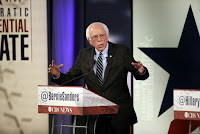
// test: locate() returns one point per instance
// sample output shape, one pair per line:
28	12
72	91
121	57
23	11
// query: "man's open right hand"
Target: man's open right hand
54	69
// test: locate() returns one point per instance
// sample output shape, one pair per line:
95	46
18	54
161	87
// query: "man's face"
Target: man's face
98	37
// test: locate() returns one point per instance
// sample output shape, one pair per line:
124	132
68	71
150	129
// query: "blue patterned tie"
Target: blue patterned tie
99	71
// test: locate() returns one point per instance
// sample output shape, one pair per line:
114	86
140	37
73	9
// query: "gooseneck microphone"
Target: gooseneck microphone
94	62
77	77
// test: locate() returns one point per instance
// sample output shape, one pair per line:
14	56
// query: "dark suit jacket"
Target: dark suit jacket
115	86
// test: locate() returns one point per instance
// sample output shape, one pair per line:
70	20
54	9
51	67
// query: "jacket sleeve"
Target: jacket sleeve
128	58
72	75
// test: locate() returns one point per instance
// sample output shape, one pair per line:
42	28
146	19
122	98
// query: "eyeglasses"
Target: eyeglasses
101	36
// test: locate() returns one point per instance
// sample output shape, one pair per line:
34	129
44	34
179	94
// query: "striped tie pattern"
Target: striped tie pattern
99	71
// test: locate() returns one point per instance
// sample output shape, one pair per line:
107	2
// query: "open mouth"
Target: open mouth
100	45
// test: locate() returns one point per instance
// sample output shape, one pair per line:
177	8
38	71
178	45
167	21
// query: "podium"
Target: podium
187	105
73	100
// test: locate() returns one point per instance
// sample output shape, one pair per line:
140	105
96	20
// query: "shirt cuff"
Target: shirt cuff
143	72
54	77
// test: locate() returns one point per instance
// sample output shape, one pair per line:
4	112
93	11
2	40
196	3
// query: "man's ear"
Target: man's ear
89	40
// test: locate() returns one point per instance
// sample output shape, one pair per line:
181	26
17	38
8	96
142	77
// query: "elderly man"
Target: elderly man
106	66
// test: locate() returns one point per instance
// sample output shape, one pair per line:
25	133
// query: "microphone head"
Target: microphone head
94	62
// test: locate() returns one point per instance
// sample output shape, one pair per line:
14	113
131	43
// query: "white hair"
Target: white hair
99	23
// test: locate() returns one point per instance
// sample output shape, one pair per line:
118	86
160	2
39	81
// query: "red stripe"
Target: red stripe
78	110
187	115
188	89
182	126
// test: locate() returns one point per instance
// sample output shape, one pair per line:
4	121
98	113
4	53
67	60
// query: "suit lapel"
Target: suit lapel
109	62
91	66
91	59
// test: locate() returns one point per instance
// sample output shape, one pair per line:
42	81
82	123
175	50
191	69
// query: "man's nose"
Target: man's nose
99	38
